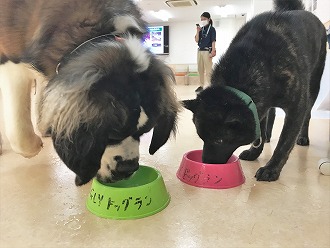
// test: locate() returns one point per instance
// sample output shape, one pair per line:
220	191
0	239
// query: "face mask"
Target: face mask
205	22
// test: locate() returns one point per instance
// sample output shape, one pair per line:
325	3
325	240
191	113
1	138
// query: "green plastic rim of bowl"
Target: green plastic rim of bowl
142	195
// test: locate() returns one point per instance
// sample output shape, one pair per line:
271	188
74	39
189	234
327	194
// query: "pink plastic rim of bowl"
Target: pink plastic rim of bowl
194	172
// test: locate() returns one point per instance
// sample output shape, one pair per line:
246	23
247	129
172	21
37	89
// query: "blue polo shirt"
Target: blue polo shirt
206	36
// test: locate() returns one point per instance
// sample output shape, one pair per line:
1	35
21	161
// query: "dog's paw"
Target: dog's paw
267	174
303	141
249	155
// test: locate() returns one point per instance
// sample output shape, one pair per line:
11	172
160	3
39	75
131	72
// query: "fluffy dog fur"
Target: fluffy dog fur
108	91
277	59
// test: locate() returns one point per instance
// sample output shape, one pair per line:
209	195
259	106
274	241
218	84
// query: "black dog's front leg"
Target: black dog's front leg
270	123
288	137
258	145
303	139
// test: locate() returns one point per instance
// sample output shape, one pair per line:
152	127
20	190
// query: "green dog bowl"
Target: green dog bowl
142	195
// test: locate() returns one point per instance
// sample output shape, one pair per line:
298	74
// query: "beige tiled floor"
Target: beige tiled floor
41	207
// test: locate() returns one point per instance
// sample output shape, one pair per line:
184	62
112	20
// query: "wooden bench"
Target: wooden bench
185	74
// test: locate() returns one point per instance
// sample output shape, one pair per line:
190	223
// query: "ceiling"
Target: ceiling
192	13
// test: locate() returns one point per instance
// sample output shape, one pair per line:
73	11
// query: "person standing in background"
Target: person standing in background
205	38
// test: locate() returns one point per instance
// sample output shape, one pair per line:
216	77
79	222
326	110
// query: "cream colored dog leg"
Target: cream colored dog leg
41	84
15	84
0	145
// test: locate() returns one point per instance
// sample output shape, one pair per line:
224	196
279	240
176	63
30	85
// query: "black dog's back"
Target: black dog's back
270	52
277	59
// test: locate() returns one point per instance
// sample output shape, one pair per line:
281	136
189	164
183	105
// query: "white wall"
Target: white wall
182	44
183	48
322	10
259	6
225	33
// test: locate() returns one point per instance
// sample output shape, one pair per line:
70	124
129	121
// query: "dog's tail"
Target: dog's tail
283	5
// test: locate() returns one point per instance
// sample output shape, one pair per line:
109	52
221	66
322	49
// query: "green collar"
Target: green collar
248	101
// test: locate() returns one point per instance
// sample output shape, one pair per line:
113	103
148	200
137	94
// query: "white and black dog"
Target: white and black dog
103	93
276	60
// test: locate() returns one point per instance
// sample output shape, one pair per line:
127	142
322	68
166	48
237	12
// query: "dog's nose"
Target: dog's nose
124	168
216	154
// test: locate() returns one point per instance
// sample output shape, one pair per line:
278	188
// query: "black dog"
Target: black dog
277	59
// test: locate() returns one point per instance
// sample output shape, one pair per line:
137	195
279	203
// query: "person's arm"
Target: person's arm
198	28
213	51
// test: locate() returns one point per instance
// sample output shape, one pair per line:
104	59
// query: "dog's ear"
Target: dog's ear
162	130
81	152
163	80
190	104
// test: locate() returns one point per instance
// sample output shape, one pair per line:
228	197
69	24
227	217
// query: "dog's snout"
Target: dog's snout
214	153
127	166
124	168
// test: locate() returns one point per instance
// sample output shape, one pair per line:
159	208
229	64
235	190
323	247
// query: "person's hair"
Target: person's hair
208	16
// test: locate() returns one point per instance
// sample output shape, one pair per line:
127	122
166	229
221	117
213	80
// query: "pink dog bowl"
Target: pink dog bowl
194	172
